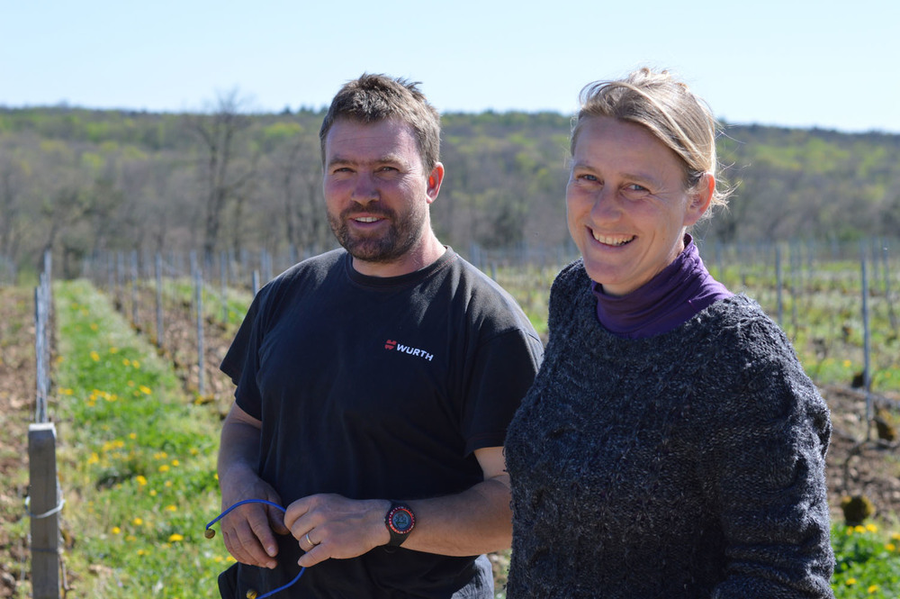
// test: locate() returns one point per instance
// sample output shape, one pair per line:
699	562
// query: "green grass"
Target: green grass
137	461
867	562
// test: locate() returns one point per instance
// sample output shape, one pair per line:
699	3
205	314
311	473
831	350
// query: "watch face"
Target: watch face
402	520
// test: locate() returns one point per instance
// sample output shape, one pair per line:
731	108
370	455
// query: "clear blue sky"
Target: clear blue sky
825	63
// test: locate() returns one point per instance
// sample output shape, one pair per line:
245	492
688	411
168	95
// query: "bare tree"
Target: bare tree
219	133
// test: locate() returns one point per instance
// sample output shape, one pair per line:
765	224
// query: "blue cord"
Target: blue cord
275	505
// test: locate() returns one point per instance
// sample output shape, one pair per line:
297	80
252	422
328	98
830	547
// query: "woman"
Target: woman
671	446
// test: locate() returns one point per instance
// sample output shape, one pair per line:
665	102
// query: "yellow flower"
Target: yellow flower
94	326
135	364
95	356
141	552
847	365
94	458
141	479
890	547
872	588
131	538
860	528
176	463
871	528
164	468
114	350
145	390
126	362
137	521
152	492
175	538
132	436
850	582
116	530
171	508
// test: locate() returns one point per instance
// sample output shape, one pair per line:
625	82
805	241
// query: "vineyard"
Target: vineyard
137	399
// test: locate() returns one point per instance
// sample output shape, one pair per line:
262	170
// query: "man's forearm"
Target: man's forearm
473	522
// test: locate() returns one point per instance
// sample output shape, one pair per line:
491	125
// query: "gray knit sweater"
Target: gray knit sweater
685	465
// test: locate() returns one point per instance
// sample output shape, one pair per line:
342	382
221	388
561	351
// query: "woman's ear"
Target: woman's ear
699	199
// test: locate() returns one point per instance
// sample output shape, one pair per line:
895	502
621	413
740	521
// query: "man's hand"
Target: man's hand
332	526
249	530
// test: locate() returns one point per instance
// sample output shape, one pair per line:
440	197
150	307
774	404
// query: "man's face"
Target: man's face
377	192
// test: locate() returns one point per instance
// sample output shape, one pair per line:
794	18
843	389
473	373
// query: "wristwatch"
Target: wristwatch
399	521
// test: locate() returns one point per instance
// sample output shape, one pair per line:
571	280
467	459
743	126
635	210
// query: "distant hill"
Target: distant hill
83	180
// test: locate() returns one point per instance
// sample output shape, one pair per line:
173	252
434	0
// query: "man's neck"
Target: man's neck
422	255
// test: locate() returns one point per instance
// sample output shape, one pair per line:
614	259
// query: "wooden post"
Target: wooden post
44	510
198	285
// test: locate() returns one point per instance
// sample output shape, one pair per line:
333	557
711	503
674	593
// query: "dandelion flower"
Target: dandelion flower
94	326
95	356
890	547
850	582
116	530
145	390
114	350
176	463
141	479
872	588
171	508
164	468
137	521
871	528
126	362
174	538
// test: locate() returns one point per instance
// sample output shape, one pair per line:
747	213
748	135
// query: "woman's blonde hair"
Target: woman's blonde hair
669	110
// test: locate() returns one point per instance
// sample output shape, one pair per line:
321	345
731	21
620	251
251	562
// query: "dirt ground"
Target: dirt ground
855	465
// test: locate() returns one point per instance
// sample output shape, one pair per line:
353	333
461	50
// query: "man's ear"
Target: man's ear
435	178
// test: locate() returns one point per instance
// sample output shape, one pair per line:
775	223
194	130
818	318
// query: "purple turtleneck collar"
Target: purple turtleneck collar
671	298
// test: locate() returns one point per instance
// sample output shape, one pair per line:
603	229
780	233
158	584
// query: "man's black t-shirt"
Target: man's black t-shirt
380	388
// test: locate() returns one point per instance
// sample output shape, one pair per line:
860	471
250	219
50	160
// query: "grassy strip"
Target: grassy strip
868	562
137	461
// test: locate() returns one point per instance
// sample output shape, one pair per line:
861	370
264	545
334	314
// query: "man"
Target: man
374	385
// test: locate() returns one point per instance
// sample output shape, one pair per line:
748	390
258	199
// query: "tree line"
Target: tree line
78	182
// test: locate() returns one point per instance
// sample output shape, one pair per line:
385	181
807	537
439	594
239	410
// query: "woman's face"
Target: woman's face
626	203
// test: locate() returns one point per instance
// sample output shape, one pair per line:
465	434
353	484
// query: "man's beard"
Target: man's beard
402	234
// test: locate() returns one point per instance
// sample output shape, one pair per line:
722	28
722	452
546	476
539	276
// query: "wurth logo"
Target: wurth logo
391	344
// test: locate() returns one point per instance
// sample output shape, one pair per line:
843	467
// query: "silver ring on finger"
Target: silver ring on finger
308	540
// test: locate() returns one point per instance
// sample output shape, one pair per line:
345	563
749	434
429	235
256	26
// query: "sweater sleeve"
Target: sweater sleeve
764	467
